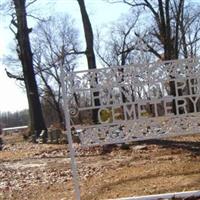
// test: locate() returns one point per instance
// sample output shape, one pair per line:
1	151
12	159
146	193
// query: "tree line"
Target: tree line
149	31
19	118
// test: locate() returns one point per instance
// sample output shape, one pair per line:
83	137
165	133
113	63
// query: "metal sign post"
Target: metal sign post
69	136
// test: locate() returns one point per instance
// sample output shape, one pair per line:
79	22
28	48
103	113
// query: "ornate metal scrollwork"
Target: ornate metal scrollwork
136	102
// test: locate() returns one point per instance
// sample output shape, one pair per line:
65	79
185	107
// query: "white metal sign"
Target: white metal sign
135	102
129	103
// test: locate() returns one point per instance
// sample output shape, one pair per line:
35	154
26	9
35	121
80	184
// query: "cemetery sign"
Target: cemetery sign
135	102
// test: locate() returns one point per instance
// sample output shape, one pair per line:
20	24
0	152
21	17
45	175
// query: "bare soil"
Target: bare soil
42	171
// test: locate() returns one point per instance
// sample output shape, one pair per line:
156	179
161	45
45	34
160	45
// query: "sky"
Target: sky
13	98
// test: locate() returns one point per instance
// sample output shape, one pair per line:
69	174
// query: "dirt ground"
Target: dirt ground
42	171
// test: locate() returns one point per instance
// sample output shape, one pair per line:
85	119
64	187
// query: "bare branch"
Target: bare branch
103	59
17	77
151	49
30	3
10	27
127	2
151	8
14	23
37	18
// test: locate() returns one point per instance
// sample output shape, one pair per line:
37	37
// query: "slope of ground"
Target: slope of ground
41	171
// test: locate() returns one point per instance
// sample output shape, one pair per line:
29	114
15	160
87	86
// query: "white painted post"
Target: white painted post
69	135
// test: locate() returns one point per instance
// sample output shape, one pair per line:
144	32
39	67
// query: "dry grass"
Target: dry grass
171	165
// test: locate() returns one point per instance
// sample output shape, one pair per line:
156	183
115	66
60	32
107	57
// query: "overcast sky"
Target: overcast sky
12	97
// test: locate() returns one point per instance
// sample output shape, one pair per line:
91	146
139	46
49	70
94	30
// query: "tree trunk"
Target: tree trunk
89	50
37	123
170	42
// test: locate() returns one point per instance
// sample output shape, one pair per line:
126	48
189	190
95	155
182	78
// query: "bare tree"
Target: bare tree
169	36
122	46
175	24
55	43
190	31
19	22
166	15
89	48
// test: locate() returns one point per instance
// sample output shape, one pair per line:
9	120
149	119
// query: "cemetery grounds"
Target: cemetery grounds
42	171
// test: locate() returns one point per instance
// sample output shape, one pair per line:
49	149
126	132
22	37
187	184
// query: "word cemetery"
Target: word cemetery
135	102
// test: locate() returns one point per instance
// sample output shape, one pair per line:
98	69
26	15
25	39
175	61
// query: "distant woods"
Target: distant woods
19	118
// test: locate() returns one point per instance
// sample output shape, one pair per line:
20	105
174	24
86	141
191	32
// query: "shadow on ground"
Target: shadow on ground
191	146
